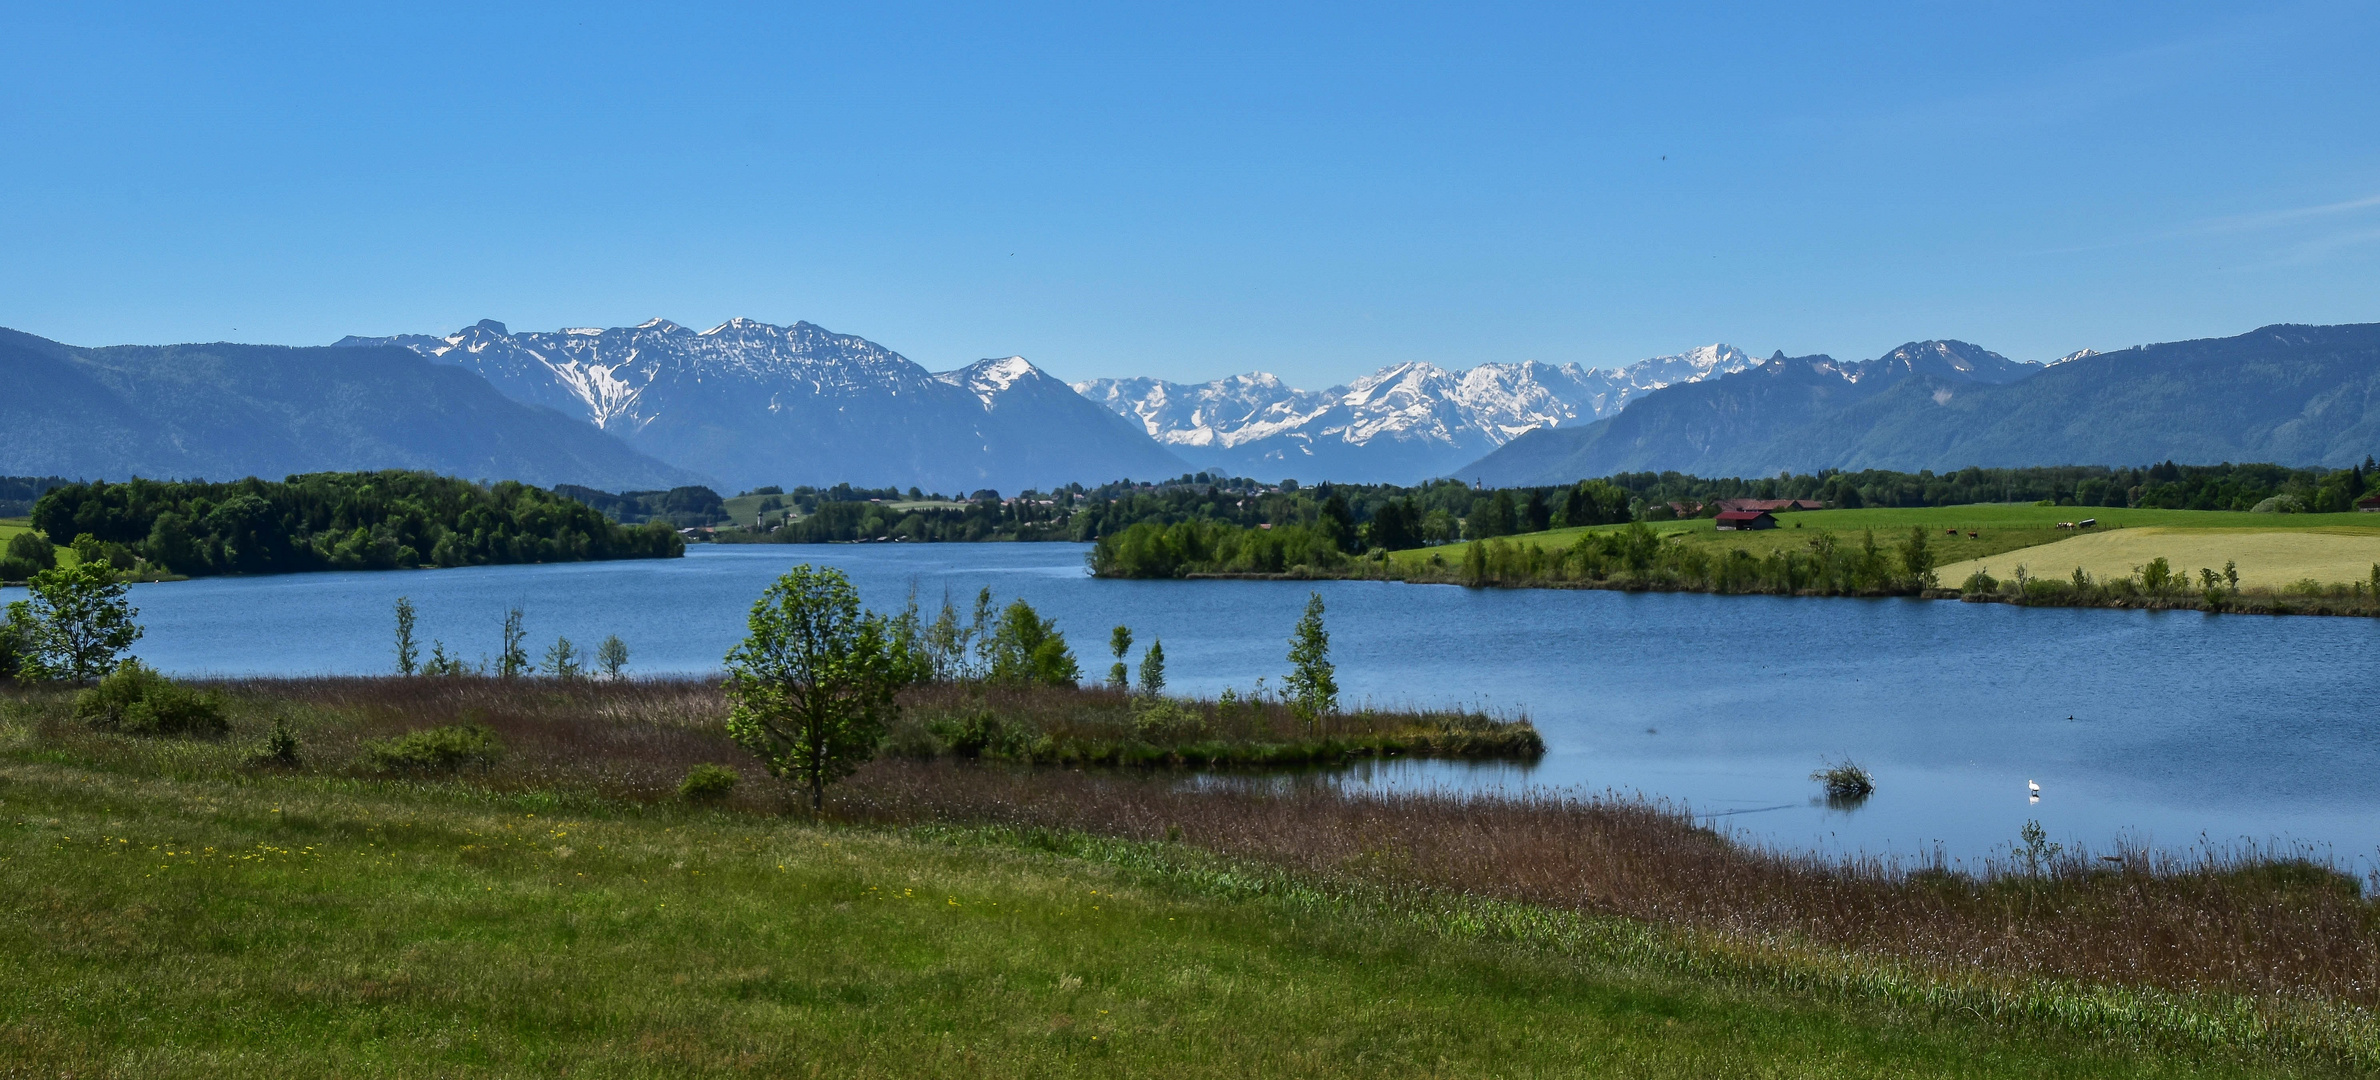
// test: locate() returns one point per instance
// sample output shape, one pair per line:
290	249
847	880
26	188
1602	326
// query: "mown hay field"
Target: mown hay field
2267	557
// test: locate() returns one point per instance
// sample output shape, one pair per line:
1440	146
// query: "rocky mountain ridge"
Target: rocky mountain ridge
755	403
1403	423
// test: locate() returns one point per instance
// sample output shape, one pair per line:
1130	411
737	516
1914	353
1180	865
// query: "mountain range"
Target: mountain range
226	411
2296	395
750	403
746	403
1401	424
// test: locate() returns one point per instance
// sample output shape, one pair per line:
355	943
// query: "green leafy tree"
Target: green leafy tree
78	623
1313	682
1152	668
513	662
562	660
1119	642
27	554
1337	522
1917	557
1026	648
408	650
814	680
612	656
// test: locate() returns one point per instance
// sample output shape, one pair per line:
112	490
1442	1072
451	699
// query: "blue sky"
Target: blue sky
1189	191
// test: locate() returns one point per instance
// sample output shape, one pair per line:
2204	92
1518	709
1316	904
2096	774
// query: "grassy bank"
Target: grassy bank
177	912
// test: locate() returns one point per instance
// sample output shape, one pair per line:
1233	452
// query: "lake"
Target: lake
2164	728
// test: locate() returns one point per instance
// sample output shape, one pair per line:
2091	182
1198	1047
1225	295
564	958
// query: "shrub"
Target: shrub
969	734
438	749
280	749
708	783
136	700
1846	780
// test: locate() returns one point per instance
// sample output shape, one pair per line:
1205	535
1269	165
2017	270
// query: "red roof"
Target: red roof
1741	515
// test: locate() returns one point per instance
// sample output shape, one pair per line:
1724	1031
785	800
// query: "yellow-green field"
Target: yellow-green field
2271	549
9	527
2267	558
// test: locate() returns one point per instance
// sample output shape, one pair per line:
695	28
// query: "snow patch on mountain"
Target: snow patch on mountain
1436	418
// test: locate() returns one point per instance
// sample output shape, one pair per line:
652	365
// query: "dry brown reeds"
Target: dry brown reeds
2214	921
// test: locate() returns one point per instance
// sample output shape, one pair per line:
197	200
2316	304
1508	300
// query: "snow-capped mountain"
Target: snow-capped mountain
752	403
1400	424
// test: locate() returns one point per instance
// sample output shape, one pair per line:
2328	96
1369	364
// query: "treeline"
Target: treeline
18	492
683	507
1358	518
336	521
1029	517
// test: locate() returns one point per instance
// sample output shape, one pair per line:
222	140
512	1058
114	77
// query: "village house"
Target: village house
1746	519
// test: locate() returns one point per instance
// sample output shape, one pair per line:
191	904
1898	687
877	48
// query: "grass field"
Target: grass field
172	913
165	928
11	526
2002	528
2267	558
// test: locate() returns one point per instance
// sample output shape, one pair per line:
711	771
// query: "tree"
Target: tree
1313	684
813	681
1152	668
1535	514
78	623
1337	522
1026	648
514	661
1119	642
408	651
1396	525
27	554
1491	516
1917	557
562	660
612	656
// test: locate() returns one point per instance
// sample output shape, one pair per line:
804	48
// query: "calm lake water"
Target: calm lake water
2166	728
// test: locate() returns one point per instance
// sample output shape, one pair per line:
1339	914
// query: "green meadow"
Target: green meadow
174	913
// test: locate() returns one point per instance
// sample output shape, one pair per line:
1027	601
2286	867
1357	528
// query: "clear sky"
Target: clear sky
1194	190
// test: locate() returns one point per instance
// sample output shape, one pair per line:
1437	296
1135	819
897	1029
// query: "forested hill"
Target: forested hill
267	410
2296	395
339	521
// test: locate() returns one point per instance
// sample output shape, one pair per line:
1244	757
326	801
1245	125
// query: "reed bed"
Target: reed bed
2238	921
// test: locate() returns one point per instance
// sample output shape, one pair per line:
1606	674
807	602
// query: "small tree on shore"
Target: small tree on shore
612	656
1917	557
1119	642
1313	682
408	651
1026	648
562	660
513	662
77	626
813	681
1152	668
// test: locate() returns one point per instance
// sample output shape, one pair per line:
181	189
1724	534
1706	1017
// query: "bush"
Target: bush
136	700
280	749
1846	780
708	783
438	749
